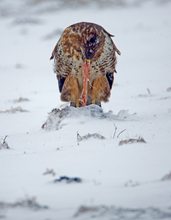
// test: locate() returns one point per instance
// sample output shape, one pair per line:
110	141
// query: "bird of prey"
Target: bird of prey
85	63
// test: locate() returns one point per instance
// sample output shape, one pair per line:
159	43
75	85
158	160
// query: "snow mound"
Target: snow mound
57	115
26	203
105	212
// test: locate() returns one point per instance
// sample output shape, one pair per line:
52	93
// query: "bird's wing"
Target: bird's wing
110	79
60	65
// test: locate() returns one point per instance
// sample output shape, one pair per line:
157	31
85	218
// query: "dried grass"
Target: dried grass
132	141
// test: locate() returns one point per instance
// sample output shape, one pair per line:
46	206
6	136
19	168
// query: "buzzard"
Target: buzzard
84	63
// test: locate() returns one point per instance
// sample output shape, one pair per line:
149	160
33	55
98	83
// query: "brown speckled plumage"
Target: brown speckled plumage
80	42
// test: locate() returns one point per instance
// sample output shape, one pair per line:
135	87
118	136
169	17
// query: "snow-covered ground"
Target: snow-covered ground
118	179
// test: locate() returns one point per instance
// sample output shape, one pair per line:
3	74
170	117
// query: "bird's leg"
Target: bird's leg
85	75
70	91
100	90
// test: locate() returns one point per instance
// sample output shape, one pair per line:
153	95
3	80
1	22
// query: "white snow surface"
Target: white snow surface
129	181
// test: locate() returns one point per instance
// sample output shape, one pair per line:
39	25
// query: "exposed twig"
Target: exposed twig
114	133
4	140
132	141
148	91
67	179
30	203
21	99
49	172
88	136
4	144
14	110
121	133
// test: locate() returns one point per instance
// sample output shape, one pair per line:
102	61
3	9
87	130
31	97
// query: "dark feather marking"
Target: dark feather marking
52	56
110	79
61	81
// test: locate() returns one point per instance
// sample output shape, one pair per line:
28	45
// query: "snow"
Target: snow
118	181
